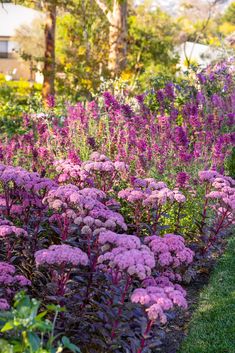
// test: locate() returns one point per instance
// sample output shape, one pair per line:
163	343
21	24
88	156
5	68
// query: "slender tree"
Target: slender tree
49	9
117	18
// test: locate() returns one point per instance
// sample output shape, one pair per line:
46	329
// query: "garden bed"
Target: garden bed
107	210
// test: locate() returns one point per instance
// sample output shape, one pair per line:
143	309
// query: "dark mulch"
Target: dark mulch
176	329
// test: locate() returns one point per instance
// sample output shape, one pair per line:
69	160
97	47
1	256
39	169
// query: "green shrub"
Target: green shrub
25	330
16	98
230	164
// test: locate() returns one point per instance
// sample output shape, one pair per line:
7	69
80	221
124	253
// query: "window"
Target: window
3	49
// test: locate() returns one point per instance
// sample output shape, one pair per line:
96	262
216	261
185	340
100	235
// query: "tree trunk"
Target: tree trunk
49	63
118	37
117	19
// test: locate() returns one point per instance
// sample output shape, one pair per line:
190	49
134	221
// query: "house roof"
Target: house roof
12	16
202	54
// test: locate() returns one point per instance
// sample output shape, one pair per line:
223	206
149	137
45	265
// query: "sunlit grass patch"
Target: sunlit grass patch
212	329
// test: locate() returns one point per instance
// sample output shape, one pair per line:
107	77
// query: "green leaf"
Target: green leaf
43	326
53	307
8	326
34	340
17	346
67	344
41	315
5	347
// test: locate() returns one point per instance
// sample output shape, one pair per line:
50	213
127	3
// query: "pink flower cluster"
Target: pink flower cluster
170	250
23	179
70	172
163	196
88	173
9	234
22	190
86	208
151	193
62	196
10	283
122	240
59	255
61	259
7	228
125	254
207	175
103	171
132	195
100	163
159	297
222	192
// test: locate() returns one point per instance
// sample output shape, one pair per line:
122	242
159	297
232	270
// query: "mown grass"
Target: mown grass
212	329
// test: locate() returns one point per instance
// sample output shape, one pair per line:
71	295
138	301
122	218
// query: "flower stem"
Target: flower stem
124	293
143	339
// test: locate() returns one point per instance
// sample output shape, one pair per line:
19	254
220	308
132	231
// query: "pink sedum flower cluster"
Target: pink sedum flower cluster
9	234
163	196
23	190
170	250
85	208
123	240
222	193
207	175
104	172
126	253
98	171
159	297
10	282
61	259
61	255
70	172
8	229
150	193
100	163
23	179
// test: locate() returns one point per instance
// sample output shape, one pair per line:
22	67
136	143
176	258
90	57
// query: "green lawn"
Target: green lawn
212	329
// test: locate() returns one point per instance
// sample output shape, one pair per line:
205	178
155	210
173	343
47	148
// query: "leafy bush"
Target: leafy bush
16	99
26	330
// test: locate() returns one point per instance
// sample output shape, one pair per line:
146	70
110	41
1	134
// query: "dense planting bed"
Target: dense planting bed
110	211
